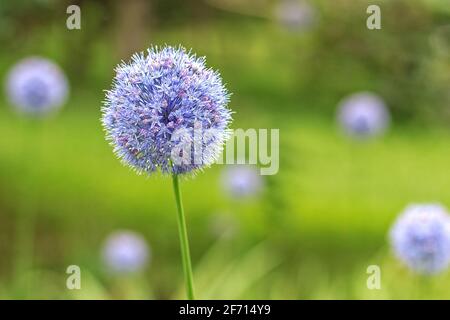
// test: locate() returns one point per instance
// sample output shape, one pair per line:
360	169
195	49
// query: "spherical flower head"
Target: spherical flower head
421	238
296	15
167	111
125	252
37	86
363	115
242	181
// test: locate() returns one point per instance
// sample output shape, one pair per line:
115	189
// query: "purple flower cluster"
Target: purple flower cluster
37	86
421	238
159	108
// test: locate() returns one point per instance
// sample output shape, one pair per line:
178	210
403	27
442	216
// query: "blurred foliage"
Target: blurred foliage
338	57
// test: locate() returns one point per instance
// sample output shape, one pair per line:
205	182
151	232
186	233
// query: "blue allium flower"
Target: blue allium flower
421	238
363	115
242	181
125	252
166	110
37	86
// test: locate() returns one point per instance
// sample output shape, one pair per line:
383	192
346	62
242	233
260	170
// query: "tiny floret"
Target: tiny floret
363	115
421	238
166	111
37	86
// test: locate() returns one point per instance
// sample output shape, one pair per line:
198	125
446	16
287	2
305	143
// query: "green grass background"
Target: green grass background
337	199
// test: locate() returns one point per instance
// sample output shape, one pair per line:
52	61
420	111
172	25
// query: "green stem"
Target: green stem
185	255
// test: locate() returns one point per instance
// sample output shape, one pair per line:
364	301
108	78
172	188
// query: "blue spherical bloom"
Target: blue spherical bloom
37	86
125	252
242	181
363	115
421	238
166	110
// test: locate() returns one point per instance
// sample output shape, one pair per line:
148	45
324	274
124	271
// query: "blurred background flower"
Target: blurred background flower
125	252
242	181
421	238
295	15
363	115
37	86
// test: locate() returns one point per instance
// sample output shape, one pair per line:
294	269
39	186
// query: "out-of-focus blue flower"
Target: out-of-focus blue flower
363	114
166	110
242	181
125	252
421	238
296	15
37	86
